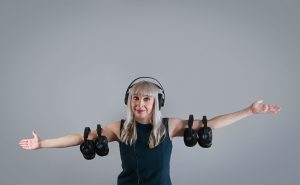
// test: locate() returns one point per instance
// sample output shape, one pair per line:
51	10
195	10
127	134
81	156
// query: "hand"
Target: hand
31	144
260	108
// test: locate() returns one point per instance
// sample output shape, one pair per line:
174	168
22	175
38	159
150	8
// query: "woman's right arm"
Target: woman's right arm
111	131
61	142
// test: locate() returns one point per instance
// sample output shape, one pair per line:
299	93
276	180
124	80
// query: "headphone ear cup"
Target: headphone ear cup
190	137
101	146
205	137
126	98
161	100
87	149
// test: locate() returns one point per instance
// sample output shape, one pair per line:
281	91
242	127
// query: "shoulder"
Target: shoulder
112	130
113	125
176	126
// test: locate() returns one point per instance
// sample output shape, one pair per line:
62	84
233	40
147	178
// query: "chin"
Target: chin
141	117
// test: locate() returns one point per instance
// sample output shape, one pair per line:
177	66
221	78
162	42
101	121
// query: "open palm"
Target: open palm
31	144
260	108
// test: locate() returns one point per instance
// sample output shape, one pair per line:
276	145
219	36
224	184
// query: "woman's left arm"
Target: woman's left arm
256	108
177	126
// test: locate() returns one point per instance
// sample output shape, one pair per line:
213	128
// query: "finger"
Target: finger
277	107
23	141
274	109
34	134
260	101
25	146
265	108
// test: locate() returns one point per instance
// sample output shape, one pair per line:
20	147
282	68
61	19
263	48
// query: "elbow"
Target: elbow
77	140
212	124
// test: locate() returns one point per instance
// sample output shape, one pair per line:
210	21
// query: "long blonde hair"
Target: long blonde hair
129	132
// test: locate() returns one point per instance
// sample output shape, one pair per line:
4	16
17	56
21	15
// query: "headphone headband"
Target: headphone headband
99	130
204	121
87	130
161	95
190	122
132	83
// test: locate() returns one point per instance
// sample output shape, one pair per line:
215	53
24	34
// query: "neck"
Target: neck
143	121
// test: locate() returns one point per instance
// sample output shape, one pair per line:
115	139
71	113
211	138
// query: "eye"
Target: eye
146	99
135	97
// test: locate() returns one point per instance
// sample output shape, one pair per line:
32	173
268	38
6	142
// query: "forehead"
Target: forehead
141	95
144	88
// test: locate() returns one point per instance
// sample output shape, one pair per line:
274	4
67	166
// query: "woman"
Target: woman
144	137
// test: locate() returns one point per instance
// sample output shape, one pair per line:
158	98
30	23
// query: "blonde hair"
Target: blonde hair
129	132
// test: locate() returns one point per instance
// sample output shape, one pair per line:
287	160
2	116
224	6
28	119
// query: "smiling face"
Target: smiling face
142	107
143	98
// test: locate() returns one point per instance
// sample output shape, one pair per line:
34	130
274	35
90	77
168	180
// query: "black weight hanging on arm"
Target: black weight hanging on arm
190	136
101	144
87	148
205	134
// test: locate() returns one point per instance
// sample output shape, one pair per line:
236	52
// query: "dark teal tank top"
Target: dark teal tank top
142	165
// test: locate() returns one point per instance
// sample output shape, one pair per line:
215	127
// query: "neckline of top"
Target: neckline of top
143	124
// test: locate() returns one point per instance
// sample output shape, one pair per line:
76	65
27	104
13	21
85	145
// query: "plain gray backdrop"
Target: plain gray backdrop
66	64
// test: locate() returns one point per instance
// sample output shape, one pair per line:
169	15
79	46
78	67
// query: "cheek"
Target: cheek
151	105
132	106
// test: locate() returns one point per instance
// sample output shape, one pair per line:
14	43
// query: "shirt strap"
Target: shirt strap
122	124
166	124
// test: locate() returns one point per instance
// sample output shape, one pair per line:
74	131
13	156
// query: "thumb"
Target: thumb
34	134
259	101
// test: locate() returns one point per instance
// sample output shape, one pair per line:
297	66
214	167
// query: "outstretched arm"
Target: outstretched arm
177	126
111	131
61	142
256	108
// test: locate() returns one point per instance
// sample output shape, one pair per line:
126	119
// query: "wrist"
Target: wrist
41	144
249	111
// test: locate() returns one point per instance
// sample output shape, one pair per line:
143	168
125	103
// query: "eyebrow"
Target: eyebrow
141	95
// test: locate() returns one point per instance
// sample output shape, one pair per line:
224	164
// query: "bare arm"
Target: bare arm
256	108
61	142
177	126
111	131
228	119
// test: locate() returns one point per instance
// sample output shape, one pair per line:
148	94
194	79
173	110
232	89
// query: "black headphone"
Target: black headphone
87	148
161	96
205	135
101	144
190	136
90	147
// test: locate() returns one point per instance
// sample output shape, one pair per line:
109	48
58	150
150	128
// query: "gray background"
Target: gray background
66	65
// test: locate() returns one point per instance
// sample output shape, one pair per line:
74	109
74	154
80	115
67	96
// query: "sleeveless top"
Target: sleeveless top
142	165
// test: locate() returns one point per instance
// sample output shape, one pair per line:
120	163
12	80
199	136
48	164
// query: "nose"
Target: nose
141	103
